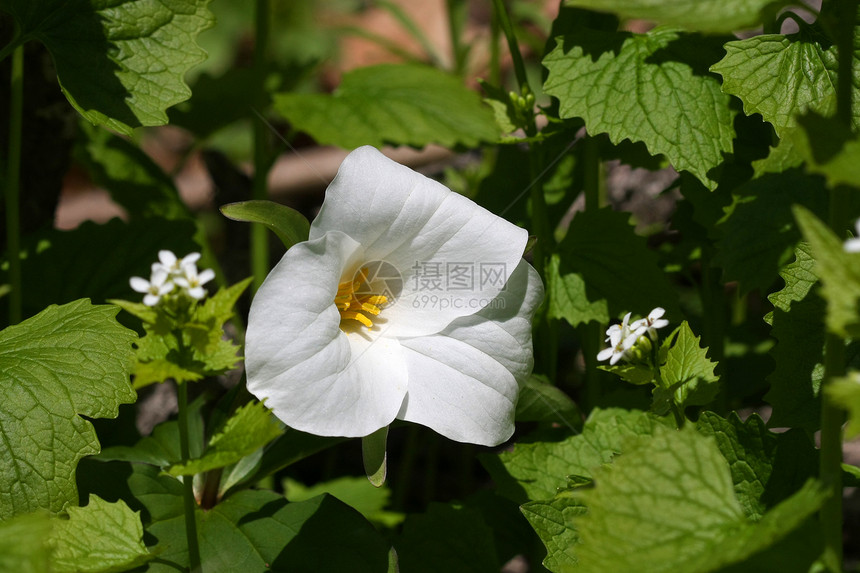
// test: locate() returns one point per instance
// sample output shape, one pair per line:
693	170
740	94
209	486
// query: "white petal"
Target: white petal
139	284
656	313
206	276
159	276
464	382
315	377
605	354
852	245
167	258
151	299
189	259
616	356
414	223
165	288
197	292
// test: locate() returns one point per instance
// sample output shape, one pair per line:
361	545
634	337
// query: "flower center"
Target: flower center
355	303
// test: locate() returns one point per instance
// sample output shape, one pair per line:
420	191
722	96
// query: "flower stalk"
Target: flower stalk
189	503
259	234
13	191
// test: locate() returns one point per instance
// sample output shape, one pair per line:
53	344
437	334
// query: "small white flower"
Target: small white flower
621	338
173	265
650	324
193	282
155	287
853	245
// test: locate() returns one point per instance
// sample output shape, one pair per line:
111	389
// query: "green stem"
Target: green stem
189	503
13	191
9	48
259	233
457	15
590	334
841	18
513	46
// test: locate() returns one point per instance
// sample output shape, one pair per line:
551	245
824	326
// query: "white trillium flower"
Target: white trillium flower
155	287
621	338
650	324
853	245
193	282
339	348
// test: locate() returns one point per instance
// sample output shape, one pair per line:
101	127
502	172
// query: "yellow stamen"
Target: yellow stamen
356	306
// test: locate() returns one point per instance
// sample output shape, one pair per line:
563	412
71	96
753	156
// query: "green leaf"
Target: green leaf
540	401
101	537
781	77
68	361
766	468
839	272
845	392
249	429
567	298
617	82
700	15
375	456
799	277
402	104
552	520
687	376
24	543
446	538
356	492
540	469
120	63
668	504
830	148
615	264
289	225
758	233
256	530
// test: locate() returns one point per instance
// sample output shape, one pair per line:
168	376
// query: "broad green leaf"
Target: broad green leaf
758	233
668	504
839	272
568	300
782	157
101	537
541	468
289	225
68	361
700	15
645	87
24	543
291	447
552	521
403	104
830	148
356	492
503	108
132	178
687	376
120	63
540	401
249	429
62	266
446	538
781	77
766	468
256	530
615	264
845	392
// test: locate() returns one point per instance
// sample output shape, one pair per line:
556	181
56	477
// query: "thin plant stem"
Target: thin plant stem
841	19
13	191
189	503
513	45
458	11
259	233
590	333
10	48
